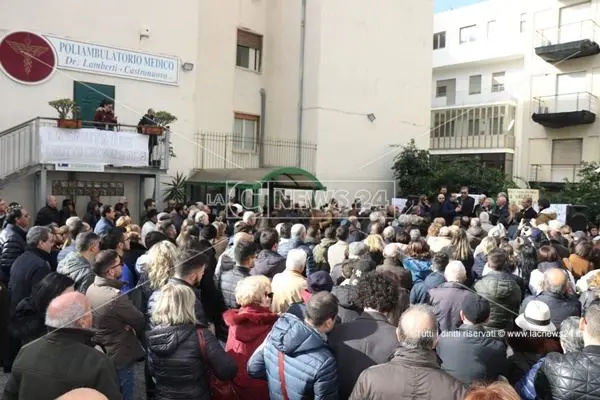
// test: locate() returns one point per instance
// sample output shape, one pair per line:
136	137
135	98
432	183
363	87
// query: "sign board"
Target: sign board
92	146
27	58
103	60
561	211
79	167
516	196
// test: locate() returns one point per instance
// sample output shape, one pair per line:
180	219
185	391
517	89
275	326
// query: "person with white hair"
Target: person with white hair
442	240
250	219
484	219
447	298
201	218
289	285
44	369
297	237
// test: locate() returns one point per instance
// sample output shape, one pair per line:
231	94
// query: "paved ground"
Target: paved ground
140	390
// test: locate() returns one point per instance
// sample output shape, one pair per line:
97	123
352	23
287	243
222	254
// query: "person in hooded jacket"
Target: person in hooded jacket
268	262
248	328
181	351
295	359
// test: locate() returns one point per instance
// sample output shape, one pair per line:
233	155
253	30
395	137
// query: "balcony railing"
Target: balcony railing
561	103
472	142
557	173
20	146
567	33
226	150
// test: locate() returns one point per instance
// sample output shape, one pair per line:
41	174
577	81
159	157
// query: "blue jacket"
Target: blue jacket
103	226
419	269
526	386
419	293
309	364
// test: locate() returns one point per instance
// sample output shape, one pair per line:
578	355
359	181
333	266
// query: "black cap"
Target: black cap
475	308
319	281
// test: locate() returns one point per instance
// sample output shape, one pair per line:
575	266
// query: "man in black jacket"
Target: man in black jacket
268	262
470	353
466	204
64	359
574	375
244	253
12	239
31	266
371	338
556	296
48	214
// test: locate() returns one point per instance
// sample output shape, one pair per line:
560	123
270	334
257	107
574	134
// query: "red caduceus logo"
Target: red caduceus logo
26	57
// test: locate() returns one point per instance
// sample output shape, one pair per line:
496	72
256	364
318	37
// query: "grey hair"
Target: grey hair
297	230
85	240
554	289
415	235
455	272
199	217
38	234
389	234
592	317
417	336
570	335
68	317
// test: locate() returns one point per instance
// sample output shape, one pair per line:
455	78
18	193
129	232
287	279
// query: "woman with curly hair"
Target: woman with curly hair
418	260
159	268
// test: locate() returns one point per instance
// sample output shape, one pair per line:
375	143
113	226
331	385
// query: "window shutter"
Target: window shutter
567	151
248	39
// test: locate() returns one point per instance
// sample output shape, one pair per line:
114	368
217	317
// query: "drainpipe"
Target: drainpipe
261	137
301	92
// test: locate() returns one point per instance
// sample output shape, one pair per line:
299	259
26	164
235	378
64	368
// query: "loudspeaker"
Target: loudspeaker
577	217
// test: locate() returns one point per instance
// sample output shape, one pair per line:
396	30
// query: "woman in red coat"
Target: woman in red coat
248	328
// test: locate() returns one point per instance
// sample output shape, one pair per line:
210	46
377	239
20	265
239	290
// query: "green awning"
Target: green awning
256	178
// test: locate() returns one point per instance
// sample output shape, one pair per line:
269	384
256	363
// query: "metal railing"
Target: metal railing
20	145
472	142
581	101
566	33
227	150
554	172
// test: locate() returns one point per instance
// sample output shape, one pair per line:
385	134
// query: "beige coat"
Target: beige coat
287	287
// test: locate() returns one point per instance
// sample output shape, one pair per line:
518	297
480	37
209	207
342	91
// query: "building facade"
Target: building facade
323	86
516	83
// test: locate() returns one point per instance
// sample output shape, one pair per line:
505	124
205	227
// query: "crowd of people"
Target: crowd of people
450	300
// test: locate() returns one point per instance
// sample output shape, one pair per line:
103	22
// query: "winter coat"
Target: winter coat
561	307
478	266
112	313
419	293
536	278
103	226
287	289
12	245
446	301
320	254
404	276
248	328
526	386
411	374
369	340
131	256
198	309
359	264
28	323
27	270
500	289
309	367
76	267
571	376
65	251
227	281
348	307
66	213
268	263
176	363
59	362
468	354
336	254
418	268
47	215
284	247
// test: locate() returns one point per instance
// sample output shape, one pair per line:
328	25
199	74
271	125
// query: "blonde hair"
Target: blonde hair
134	228
440	221
251	290
374	243
175	306
162	262
123	222
488	244
434	230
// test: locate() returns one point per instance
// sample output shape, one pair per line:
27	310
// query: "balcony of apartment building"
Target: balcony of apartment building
562	164
568	41
564	110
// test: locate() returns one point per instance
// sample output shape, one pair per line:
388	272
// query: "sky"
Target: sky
443	5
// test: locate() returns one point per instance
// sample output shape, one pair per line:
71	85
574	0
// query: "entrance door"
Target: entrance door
88	97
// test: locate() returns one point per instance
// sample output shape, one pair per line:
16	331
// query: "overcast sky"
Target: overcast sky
443	5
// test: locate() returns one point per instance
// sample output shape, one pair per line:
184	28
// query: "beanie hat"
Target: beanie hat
319	281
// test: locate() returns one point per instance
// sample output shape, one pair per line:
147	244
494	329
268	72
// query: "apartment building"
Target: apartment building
517	83
318	89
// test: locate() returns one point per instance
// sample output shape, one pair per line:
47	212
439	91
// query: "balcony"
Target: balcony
563	110
225	150
554	173
569	41
40	142
486	128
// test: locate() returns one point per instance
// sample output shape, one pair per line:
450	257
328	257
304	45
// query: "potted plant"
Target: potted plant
162	120
68	113
176	188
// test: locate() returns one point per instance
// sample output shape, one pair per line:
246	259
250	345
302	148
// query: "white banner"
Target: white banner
93	146
97	59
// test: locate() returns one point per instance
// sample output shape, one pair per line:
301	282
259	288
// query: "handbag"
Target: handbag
220	390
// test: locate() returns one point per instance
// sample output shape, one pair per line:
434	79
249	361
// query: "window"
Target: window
491	30
249	50
475	84
441	91
468	34
439	40
523	25
443	126
245	131
497	125
498	82
473	127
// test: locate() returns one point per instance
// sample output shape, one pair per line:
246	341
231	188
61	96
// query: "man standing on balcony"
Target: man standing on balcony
148	120
105	117
48	214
